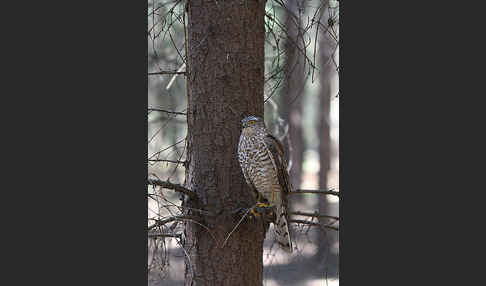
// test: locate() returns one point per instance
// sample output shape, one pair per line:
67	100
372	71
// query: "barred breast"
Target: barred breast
258	168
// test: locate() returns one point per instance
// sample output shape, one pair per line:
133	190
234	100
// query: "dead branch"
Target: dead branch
171	186
310	223
161	222
166	72
159	234
323	192
314	215
167	111
166	148
168	161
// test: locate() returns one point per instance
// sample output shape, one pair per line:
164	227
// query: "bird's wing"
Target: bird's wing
277	154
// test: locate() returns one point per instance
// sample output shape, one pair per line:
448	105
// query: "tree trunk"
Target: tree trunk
324	128
292	91
225	81
326	45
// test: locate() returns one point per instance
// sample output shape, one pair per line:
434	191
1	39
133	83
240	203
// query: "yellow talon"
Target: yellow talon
254	213
262	205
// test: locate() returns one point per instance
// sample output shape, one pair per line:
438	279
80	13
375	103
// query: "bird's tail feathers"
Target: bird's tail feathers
282	232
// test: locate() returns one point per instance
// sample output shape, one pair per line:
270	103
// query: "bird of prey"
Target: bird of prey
264	167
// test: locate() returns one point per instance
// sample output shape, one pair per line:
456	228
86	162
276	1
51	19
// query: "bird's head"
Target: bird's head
252	121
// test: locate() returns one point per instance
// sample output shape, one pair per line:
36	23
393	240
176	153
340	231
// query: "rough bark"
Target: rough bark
225	82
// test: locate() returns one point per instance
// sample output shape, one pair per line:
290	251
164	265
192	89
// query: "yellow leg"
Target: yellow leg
254	213
262	205
259	205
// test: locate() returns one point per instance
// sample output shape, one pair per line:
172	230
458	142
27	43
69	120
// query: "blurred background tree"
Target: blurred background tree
300	96
292	89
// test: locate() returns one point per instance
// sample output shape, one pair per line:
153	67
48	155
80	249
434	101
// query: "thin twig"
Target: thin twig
233	230
174	76
160	222
171	186
167	111
314	215
156	235
300	191
166	72
168	161
166	148
313	224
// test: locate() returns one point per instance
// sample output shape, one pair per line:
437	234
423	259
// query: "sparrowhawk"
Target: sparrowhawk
264	167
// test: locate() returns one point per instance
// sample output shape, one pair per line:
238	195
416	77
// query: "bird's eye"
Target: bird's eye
251	122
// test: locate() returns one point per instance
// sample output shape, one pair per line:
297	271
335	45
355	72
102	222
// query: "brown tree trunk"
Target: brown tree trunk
292	91
225	78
